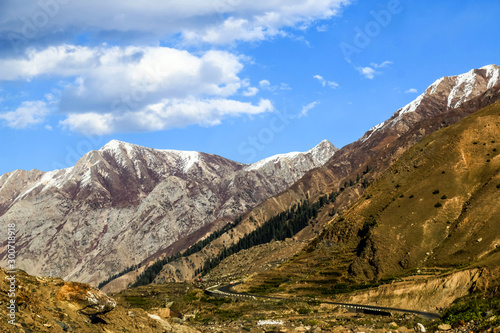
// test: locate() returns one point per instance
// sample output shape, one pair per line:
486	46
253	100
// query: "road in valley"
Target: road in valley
226	290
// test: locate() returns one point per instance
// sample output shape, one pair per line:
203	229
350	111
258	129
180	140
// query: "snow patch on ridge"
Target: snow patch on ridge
187	158
56	178
371	131
275	159
493	73
433	87
465	83
319	154
410	107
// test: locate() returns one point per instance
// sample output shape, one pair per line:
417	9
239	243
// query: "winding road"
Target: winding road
226	290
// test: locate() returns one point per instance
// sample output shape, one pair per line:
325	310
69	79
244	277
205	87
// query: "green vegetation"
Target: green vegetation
192	296
226	315
218	301
365	230
476	307
152	271
141	302
117	275
342	288
269	286
279	227
304	311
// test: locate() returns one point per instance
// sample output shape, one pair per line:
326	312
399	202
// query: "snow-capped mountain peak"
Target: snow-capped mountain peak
134	195
452	91
316	156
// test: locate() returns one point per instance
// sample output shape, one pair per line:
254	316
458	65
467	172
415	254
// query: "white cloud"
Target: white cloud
411	91
285	86
113	85
320	79
251	91
322	28
367	72
307	108
381	65
28	114
264	84
214	22
324	83
115	70
370	72
164	115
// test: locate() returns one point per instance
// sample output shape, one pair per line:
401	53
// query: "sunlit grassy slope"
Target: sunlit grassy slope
437	206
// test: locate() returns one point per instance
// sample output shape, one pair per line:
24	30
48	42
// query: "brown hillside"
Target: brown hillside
435	210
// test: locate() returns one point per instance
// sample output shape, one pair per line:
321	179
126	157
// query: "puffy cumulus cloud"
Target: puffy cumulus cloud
27	114
214	22
164	115
113	89
109	71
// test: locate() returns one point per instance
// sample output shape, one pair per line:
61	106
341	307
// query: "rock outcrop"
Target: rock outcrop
86	299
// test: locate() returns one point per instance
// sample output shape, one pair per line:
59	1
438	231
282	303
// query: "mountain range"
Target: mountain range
150	203
406	216
375	151
138	199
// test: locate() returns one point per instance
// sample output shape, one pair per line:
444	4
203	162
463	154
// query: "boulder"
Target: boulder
85	298
419	328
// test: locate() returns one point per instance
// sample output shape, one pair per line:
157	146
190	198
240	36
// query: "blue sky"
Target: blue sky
244	80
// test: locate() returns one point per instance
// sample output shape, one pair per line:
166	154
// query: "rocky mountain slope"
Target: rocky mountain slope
47	304
432	212
138	199
445	102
